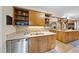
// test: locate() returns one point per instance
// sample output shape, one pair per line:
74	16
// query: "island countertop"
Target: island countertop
64	30
66	35
20	35
68	30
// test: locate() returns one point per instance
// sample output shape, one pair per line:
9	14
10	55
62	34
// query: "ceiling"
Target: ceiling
62	11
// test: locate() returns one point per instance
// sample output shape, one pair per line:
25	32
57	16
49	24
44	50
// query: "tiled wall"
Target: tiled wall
30	28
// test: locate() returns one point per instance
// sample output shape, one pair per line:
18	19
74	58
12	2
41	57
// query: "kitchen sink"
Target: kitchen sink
36	33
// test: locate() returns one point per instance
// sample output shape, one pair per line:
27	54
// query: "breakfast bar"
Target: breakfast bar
66	35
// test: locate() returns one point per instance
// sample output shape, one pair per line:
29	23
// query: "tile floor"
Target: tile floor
72	47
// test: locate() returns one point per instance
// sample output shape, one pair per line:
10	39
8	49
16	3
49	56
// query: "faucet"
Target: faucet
26	32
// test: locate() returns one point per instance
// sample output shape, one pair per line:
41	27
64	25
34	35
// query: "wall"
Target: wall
0	29
7	29
77	25
8	10
31	28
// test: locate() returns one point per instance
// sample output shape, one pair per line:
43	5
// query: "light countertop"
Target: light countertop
20	35
66	30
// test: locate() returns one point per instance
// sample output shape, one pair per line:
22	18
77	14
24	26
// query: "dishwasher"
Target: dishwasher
17	45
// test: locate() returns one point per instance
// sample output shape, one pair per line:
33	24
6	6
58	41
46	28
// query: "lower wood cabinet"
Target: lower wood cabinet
33	45
41	44
51	42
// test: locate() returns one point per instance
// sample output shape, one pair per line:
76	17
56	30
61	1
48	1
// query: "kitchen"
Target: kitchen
39	31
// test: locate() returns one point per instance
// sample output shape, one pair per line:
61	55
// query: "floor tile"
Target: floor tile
72	47
75	43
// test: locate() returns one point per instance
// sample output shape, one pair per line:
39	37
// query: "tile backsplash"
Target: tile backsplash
30	28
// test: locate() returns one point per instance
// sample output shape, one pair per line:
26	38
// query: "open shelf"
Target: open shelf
20	15
47	18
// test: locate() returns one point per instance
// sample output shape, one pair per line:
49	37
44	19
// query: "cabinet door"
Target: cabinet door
51	42
33	45
37	18
43	44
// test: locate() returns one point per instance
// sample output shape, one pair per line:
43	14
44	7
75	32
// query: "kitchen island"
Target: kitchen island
37	42
66	35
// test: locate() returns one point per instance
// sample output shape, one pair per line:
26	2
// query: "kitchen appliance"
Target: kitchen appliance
17	46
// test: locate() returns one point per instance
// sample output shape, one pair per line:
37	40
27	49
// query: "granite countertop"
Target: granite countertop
70	30
20	35
66	30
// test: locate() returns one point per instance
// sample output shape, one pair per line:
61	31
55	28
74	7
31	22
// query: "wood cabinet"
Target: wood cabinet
66	35
47	18
51	42
42	44
20	16
36	18
70	36
33	45
30	17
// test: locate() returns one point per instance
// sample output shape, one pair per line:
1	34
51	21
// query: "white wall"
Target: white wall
7	29
0	29
8	10
77	25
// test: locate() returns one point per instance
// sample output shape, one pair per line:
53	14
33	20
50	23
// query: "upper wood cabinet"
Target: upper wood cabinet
47	18
20	16
36	18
